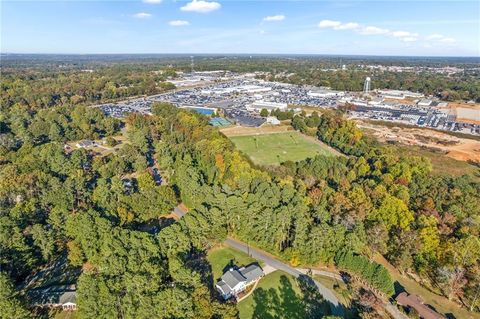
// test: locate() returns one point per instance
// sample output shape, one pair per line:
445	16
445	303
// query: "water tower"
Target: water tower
366	85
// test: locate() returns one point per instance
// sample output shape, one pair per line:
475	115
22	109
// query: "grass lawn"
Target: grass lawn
273	149
221	258
66	315
277	295
339	288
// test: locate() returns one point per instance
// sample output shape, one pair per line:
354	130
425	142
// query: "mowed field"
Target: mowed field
275	148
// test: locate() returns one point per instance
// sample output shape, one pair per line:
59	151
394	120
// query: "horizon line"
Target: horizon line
246	54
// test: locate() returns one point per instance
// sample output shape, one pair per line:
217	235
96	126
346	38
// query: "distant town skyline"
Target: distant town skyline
399	28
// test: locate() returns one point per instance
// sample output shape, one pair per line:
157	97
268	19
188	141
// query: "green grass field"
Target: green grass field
273	149
277	295
221	258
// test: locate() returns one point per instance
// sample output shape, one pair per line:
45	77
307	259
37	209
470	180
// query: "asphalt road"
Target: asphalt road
336	307
177	211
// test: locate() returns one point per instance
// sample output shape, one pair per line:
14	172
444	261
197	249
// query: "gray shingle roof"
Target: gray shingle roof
52	296
251	273
233	278
224	287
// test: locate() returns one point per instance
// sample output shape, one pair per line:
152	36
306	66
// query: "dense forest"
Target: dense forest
105	213
37	81
55	202
318	210
33	88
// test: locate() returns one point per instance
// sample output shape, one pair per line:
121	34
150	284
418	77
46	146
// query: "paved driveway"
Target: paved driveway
337	308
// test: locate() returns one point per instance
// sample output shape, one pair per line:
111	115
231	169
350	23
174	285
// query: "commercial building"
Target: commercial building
424	102
325	93
259	105
398	94
272	120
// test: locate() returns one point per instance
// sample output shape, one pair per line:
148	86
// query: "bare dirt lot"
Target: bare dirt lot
462	149
465	112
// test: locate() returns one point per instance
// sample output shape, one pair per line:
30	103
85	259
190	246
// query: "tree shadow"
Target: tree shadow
286	303
398	289
196	260
230	265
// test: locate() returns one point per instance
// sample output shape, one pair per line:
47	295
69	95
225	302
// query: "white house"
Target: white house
85	143
234	281
63	296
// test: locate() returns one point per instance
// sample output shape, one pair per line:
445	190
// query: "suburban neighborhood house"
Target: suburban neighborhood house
55	296
414	301
236	280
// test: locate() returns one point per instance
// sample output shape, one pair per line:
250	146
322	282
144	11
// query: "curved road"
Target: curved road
336	307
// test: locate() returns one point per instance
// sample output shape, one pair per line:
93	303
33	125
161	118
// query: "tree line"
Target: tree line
310	212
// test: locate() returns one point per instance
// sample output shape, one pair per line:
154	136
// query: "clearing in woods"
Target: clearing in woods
276	148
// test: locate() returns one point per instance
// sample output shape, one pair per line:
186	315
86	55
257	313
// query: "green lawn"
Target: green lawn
273	149
222	258
279	296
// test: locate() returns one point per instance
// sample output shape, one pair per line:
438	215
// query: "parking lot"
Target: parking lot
232	97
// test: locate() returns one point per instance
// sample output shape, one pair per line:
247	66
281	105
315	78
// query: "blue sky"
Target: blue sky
438	28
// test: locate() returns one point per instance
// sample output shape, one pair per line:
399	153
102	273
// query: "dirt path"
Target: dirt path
265	129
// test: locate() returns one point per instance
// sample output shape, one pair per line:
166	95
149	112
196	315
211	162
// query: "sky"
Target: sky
400	28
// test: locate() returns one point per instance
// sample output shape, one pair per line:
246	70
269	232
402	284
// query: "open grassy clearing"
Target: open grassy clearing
221	258
277	295
273	149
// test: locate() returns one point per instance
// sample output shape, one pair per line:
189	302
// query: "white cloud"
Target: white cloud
142	15
347	26
201	6
409	39
404	34
435	36
441	38
152	1
448	40
178	23
278	17
329	24
370	30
